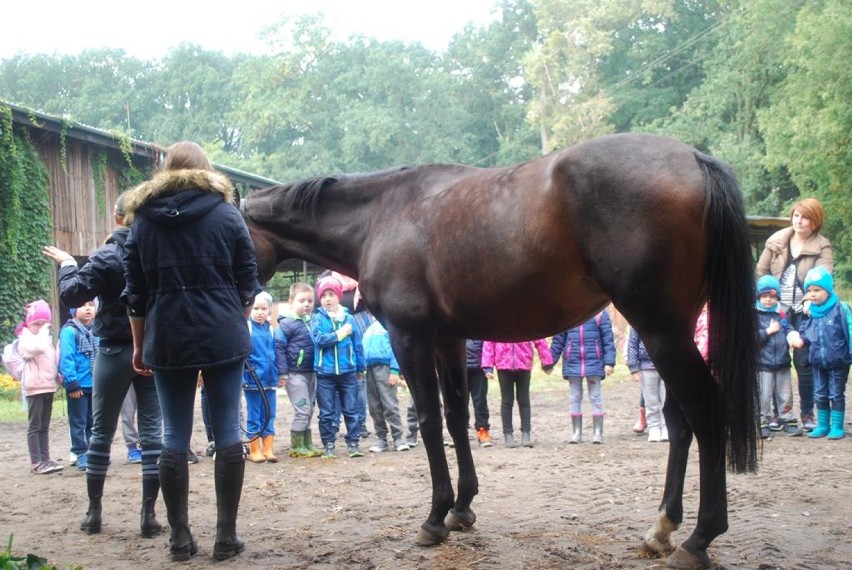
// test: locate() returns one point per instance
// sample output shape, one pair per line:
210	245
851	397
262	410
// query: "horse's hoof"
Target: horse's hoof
655	546
431	536
456	520
686	560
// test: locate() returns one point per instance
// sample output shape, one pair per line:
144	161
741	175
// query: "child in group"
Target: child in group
513	361
653	388
338	363
382	381
827	332
773	367
294	358
260	368
78	348
588	351
478	387
39	382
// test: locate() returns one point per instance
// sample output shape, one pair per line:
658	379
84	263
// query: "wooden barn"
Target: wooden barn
87	169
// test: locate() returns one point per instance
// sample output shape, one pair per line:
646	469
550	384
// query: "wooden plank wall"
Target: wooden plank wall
78	226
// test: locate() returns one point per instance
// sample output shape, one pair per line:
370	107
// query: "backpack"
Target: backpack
13	361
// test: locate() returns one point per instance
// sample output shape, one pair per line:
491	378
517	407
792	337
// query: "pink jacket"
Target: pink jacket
514	355
40	371
702	333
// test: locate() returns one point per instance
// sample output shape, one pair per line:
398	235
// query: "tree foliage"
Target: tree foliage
761	84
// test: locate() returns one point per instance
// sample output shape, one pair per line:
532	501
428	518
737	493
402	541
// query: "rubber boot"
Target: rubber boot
526	439
174	483
228	476
822	428
509	440
150	526
309	446
641	423
577	424
91	524
838	430
297	444
598	434
268	443
255	454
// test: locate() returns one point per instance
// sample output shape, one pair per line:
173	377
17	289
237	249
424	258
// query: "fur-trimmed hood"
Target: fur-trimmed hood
171	183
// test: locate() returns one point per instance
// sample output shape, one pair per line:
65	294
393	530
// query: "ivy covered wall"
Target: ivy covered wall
25	225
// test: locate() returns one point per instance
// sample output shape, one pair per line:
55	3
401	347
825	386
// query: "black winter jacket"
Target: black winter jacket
190	269
102	277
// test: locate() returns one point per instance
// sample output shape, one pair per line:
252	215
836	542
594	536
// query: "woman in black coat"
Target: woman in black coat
191	280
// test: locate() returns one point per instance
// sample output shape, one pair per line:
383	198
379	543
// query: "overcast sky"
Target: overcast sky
148	29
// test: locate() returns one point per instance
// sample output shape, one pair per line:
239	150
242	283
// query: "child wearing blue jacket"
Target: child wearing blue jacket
826	333
588	351
773	367
382	382
338	363
294	357
78	348
261	363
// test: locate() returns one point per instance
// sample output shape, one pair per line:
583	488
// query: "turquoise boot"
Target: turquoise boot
821	430
838	430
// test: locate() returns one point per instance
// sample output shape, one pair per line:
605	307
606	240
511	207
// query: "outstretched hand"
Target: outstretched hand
56	254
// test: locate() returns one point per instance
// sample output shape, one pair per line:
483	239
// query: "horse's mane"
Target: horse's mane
304	195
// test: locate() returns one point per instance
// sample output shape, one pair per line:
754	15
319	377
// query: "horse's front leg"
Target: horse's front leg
416	355
452	373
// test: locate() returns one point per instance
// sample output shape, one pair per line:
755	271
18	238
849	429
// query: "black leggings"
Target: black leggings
512	381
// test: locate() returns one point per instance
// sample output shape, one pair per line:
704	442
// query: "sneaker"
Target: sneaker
354	450
365	433
792	428
42	468
401	446
134	455
654	435
664	434
72	458
483	437
82	462
411	440
808	424
328	451
765	432
191	457
775	425
211	449
381	445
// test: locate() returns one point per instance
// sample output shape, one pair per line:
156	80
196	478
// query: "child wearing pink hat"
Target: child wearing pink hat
39	383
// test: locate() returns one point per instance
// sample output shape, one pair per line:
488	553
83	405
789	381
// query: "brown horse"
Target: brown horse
445	252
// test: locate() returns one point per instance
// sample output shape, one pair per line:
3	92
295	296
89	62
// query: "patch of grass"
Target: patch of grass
14	410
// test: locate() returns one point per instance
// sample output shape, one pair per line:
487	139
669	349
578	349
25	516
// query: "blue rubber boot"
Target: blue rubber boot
822	428
838	430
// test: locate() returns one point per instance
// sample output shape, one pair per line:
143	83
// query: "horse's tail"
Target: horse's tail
733	326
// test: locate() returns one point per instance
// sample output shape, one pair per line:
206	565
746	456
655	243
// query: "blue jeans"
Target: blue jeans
80	421
255	412
177	388
346	387
830	387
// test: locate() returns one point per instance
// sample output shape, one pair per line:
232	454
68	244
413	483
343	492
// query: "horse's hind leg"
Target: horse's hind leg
416	355
658	539
453	377
689	382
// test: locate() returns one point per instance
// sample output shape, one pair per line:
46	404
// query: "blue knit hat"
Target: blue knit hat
768	283
821	277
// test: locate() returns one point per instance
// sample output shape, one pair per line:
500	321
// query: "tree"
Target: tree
808	125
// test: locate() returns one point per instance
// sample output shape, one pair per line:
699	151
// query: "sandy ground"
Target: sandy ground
553	506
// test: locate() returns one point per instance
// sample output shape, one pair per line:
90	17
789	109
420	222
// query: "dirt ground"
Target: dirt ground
553	506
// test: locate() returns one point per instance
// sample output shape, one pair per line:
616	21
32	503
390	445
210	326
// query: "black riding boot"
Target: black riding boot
174	481
150	526
91	524
228	475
